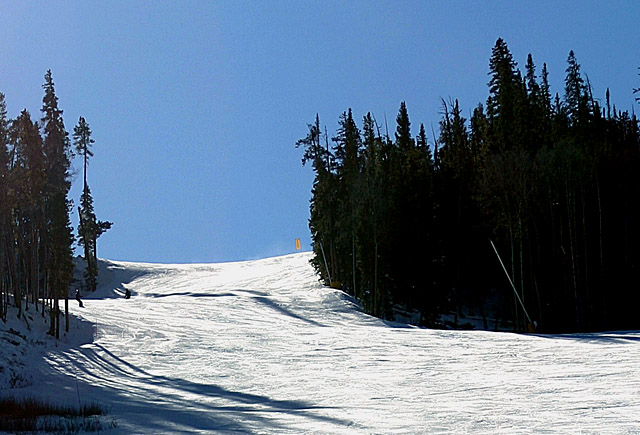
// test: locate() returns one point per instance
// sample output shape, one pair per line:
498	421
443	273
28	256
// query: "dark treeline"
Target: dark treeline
36	237
553	181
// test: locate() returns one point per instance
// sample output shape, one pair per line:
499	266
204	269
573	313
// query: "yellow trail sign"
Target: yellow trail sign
298	246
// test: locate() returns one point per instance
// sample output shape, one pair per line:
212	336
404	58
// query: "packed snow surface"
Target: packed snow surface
262	347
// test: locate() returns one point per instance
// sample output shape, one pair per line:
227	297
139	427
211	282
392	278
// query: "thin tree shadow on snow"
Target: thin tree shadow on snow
190	294
616	337
282	310
212	294
257	296
171	403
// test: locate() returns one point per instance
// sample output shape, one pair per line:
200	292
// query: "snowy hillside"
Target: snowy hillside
261	347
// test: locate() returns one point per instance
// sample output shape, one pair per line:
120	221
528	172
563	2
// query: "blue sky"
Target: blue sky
195	107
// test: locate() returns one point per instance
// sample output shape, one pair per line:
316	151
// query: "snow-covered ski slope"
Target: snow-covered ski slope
261	347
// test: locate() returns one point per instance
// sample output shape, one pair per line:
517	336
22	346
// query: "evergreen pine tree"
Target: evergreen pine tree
553	184
372	220
636	91
403	129
4	205
477	136
83	143
506	93
57	151
545	91
575	91
347	150
28	180
322	220
89	228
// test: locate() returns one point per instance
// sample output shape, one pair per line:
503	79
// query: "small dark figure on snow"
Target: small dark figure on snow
127	294
78	298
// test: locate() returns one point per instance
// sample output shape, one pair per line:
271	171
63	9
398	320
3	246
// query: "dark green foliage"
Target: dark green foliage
575	95
57	151
375	231
635	91
5	220
26	186
36	238
553	183
322	221
89	228
505	105
404	141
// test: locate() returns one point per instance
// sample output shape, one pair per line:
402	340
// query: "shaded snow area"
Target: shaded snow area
24	342
261	347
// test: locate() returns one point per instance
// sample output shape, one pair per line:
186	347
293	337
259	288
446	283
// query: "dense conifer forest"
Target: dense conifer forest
403	221
36	237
